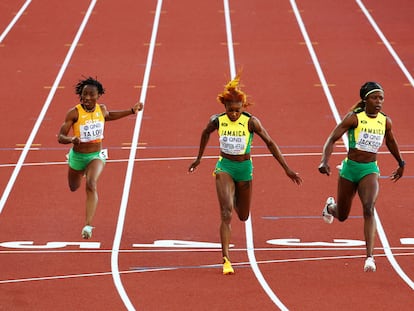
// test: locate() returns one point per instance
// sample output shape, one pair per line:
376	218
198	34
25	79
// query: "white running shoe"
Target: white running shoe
370	265
87	232
328	218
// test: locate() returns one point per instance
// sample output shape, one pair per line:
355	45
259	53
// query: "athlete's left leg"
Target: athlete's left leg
243	197
368	190
92	173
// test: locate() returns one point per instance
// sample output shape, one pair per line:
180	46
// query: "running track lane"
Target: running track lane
39	216
184	79
164	187
199	217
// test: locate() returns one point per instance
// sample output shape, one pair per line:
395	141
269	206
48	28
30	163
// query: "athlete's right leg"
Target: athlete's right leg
74	179
345	193
225	192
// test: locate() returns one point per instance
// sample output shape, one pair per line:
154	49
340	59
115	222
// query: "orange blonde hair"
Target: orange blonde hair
233	93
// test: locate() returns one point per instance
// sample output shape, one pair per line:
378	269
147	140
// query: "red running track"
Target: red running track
301	266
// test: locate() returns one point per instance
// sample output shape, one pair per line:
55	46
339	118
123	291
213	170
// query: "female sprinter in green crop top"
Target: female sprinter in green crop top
87	120
367	126
234	169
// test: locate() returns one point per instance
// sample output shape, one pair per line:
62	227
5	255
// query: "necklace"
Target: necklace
86	109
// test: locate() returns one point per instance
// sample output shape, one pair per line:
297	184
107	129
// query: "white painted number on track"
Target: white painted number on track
49	245
297	242
191	244
181	243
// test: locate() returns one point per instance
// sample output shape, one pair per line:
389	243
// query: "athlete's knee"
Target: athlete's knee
73	188
341	210
243	216
91	185
226	214
368	210
74	179
342	218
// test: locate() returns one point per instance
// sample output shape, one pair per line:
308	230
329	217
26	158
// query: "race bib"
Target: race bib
91	131
104	154
233	144
369	142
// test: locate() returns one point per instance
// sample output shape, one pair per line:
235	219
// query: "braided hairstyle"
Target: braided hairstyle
89	81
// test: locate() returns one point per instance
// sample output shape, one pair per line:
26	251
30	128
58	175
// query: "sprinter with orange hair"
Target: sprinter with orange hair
234	169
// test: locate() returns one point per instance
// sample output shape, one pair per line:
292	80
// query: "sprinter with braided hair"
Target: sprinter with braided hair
87	120
234	169
89	81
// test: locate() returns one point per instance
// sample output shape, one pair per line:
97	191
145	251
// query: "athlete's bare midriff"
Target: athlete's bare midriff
361	156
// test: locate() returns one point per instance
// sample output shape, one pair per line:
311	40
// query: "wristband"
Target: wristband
132	110
401	163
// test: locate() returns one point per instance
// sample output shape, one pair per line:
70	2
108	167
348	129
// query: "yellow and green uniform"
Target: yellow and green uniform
90	129
235	139
79	161
368	136
90	125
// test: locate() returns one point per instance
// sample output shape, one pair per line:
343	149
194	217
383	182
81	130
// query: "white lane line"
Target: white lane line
332	104
14	21
189	158
386	42
390	255
198	250
162	269
122	211
318	68
380	229
46	105
255	266
232	62
248	224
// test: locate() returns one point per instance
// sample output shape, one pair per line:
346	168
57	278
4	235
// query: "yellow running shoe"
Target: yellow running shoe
227	268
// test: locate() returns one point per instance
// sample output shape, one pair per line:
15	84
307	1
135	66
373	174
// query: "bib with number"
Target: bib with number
369	134
90	125
234	137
